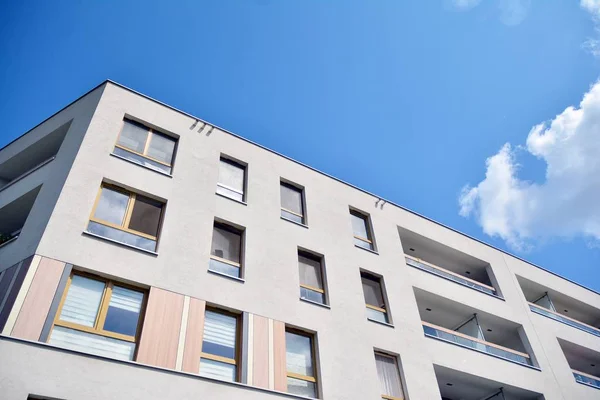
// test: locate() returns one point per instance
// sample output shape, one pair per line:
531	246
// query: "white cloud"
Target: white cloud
566	204
513	12
592	6
592	44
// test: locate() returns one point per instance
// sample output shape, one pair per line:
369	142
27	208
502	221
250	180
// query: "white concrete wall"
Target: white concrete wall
346	339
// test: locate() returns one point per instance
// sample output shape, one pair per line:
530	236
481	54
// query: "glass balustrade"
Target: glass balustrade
547	313
444	274
475	345
587	380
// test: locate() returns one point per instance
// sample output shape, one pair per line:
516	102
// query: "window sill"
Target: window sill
9	241
369	250
316	303
235	278
294	222
121	243
381	323
231	198
142	165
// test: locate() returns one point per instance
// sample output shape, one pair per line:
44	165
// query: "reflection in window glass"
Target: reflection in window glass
145	217
226	244
123	311
112	206
298	354
231	179
133	136
161	148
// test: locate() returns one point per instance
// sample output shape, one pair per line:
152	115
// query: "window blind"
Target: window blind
291	198
359	225
372	292
231	175
83	301
310	272
226	244
90	343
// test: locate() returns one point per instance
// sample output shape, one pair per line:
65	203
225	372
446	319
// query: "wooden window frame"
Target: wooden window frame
238	342
128	211
288	184
306	378
243	167
151	132
369	276
395	358
367	219
98	328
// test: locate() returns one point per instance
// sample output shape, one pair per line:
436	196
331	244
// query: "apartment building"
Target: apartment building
148	254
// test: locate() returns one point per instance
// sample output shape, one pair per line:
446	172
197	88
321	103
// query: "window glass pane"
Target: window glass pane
121	236
83	301
123	311
133	136
372	292
312	295
231	175
301	388
298	354
145	161
389	376
359	226
292	217
217	370
111	206
90	343
291	198
219	334
310	271
226	244
161	148
363	244
224	268
145	216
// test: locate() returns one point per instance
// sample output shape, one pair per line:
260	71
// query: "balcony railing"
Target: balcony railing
564	319
587	379
27	173
452	276
470	342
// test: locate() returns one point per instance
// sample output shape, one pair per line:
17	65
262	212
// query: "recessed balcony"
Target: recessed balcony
32	158
584	363
14	215
473	329
447	263
559	307
456	385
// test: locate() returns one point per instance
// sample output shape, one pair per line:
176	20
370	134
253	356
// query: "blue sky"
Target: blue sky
404	99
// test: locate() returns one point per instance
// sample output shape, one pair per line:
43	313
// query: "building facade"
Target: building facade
148	254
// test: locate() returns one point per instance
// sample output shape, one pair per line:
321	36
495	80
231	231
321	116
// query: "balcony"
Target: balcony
464	326
456	385
447	263
14	215
584	363
556	306
32	158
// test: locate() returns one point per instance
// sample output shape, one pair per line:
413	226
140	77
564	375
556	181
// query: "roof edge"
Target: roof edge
309	167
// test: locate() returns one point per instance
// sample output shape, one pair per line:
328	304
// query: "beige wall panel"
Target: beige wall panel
193	336
279	356
160	334
260	363
38	300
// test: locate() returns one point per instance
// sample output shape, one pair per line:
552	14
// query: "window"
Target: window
292	203
98	316
145	146
311	277
376	308
389	377
232	179
226	250
126	217
363	236
301	371
219	346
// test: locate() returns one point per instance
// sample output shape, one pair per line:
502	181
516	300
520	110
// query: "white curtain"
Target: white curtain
231	175
161	148
133	136
372	292
83	301
310	272
291	198
90	343
226	244
389	376
359	226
